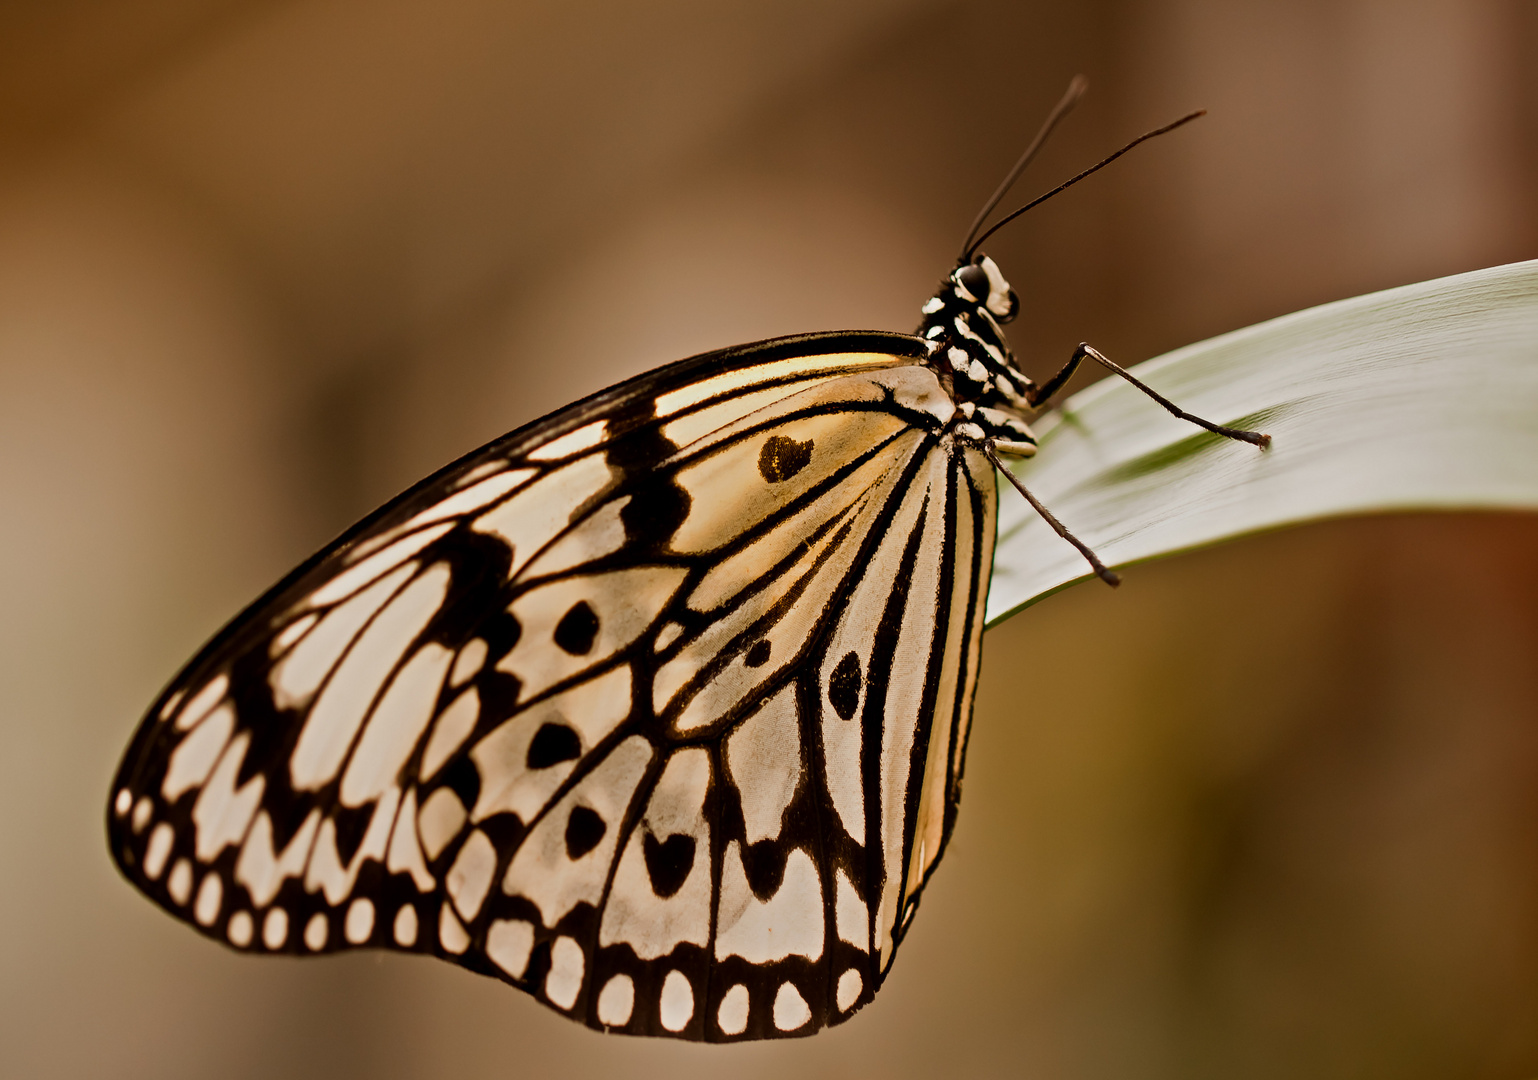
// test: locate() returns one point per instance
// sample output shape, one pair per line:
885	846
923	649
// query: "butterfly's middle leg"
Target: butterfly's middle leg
1039	395
1102	571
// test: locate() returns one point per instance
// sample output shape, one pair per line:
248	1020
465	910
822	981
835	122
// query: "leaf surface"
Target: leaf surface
1423	397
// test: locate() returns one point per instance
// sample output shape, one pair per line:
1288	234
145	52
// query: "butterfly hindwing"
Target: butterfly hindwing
654	708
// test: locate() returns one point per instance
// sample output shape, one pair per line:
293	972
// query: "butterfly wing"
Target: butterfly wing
654	708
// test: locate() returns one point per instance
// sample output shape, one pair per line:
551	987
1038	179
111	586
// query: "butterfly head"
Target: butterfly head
981	282
963	327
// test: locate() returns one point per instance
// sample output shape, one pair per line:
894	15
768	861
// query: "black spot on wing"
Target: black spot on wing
551	745
461	775
480	565
351	823
783	457
584	828
844	686
668	862
758	655
654	514
501	632
657	506
764	864
577	629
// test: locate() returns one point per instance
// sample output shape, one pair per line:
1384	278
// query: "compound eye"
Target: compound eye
974	279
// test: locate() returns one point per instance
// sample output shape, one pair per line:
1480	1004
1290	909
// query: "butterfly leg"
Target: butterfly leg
1040	394
1105	573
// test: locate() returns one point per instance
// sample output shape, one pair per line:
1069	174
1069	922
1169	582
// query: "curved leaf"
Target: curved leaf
1415	398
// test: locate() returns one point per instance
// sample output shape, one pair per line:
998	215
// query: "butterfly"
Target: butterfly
656	708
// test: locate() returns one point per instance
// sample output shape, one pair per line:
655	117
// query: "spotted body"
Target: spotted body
655	708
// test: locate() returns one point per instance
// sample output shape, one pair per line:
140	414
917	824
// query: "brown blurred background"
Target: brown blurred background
1269	810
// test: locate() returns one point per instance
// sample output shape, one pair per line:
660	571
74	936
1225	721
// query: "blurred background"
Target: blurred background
1269	810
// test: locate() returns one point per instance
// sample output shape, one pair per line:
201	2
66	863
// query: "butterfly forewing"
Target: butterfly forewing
654	708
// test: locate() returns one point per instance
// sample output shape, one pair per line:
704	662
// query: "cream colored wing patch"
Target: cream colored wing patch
654	709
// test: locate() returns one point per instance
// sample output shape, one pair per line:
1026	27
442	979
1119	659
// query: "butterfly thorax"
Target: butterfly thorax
968	351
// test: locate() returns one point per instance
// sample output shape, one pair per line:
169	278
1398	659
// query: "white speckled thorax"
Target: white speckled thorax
968	350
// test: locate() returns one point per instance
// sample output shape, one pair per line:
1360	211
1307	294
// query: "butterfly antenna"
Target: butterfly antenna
1071	98
972	246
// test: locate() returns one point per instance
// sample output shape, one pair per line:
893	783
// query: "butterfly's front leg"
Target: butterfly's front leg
1039	395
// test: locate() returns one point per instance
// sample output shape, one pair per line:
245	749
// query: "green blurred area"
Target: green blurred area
1268	810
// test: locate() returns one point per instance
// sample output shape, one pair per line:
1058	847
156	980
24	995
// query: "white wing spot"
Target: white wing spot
180	882
764	758
292	633
263	871
849	986
470	876
677	1002
545	869
441	818
222	813
326	870
617	1001
406	926
359	925
453	728
240	929
472	497
602	533
194	758
158	851
626	602
205	700
396	726
544	508
122	803
850	913
142	811
790	1008
210	895
275	929
667	635
508	943
405	853
763	931
655	914
316	932
171	702
592	709
733	1013
564	982
337	714
294	678
451	935
355	577
485	468
584	438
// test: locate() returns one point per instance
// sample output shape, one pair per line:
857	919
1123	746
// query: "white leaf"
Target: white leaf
1421	397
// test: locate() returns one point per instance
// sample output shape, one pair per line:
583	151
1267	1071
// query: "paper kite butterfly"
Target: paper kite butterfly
655	708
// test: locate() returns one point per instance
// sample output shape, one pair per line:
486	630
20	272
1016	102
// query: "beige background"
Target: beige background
1268	811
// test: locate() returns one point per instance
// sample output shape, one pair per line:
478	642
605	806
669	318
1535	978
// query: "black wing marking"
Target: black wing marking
577	711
